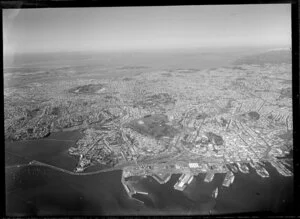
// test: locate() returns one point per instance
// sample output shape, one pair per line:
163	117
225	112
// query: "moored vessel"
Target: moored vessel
243	167
229	177
215	193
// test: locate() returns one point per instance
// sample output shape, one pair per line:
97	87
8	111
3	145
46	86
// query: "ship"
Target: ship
243	167
190	180
229	177
232	168
232	178
209	177
260	170
281	168
215	193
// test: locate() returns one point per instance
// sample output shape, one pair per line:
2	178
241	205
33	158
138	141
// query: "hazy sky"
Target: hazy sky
84	29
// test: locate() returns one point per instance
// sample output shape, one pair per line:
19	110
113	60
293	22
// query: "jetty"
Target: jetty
209	177
229	178
162	178
183	181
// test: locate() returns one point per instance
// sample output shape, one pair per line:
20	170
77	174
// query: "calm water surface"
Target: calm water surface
33	190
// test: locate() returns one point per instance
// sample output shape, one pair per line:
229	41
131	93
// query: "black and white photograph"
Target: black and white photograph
148	110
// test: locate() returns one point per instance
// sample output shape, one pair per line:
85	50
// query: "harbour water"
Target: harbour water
38	190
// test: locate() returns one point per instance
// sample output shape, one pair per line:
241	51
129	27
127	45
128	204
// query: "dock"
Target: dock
229	178
243	167
260	170
281	168
162	178
209	177
142	193
215	193
232	167
183	181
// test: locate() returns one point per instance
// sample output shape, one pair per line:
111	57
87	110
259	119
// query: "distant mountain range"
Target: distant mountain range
276	56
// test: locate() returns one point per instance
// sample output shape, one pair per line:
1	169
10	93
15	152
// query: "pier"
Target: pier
229	178
183	181
209	177
162	178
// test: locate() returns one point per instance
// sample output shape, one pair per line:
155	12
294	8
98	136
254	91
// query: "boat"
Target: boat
229	177
262	172
209	177
232	167
190	180
232	178
243	167
215	193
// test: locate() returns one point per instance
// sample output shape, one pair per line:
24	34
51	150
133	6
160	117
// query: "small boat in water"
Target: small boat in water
232	178
215	193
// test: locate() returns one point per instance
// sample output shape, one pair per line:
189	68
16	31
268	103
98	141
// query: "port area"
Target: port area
209	176
183	181
215	193
228	180
162	178
161	172
129	188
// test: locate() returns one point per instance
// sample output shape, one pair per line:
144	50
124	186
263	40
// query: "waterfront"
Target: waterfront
150	111
37	190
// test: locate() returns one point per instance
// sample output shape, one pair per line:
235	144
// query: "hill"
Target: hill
272	57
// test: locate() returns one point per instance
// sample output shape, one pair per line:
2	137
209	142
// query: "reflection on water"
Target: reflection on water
37	190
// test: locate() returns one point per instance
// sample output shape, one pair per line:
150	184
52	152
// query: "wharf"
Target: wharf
183	181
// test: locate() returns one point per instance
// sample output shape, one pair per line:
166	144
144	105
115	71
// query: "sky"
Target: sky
133	28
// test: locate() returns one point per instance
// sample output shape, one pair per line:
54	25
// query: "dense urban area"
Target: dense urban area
184	121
